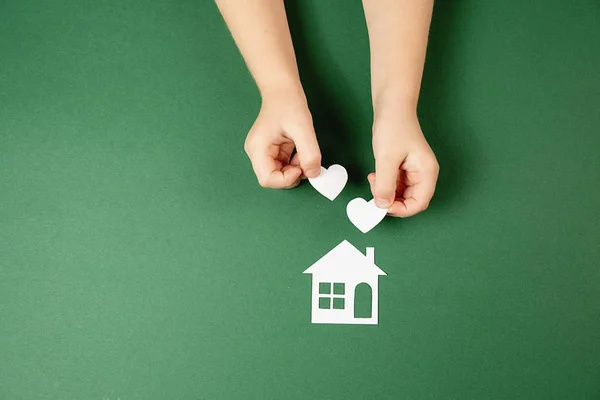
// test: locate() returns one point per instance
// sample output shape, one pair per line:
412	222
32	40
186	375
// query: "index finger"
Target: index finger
270	173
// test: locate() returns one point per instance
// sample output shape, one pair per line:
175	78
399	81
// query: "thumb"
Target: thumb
386	176
308	151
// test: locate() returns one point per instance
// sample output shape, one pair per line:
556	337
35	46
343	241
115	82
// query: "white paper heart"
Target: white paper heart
331	182
364	215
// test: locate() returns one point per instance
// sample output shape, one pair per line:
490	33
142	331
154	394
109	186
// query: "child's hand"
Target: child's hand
406	168
284	123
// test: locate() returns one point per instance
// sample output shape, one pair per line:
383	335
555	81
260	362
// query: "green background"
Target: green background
139	259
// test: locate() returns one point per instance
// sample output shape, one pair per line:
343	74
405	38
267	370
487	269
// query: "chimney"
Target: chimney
371	254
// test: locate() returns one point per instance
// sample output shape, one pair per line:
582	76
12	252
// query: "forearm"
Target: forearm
398	31
261	32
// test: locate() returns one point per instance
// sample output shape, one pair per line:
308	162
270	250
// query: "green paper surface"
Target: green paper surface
139	258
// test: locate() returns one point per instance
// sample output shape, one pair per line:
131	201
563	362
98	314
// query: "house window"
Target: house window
331	295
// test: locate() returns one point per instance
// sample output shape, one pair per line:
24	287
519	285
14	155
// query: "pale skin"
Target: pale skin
406	169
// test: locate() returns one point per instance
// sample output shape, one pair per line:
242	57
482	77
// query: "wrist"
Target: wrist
395	106
282	88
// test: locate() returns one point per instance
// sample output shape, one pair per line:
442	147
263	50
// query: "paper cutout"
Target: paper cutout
331	181
335	278
364	215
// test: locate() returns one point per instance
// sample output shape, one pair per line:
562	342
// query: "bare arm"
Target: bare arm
398	31
405	167
260	30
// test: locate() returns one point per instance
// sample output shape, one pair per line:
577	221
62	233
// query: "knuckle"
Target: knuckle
253	139
263	182
305	119
313	159
248	145
305	122
431	164
308	117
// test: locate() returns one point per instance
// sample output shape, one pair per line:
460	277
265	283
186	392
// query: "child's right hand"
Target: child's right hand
284	123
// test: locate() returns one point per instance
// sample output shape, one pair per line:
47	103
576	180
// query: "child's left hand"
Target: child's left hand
406	169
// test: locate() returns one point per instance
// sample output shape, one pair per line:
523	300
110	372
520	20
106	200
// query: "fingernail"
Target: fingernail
313	173
382	203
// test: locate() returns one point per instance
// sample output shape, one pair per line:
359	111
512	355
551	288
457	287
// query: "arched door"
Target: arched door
363	301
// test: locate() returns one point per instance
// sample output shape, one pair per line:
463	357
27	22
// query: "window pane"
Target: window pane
324	302
338	303
338	288
324	288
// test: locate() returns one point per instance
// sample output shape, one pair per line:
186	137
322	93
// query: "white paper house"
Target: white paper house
335	278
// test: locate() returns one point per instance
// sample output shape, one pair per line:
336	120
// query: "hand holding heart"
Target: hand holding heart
406	169
282	144
283	149
330	183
